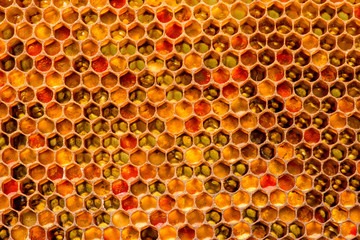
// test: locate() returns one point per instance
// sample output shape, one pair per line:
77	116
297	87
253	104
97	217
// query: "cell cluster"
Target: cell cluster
179	119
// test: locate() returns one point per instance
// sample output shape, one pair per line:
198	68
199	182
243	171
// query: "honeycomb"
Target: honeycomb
179	119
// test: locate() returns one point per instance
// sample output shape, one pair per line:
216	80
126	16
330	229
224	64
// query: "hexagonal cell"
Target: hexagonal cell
111	203
55	172
259	230
55	142
56	203
83	188
27	186
148	233
10	218
37	202
93	203
126	15
352	28
74	233
56	232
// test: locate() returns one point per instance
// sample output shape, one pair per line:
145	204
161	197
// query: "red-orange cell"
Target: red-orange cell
312	135
10	187
284	89
239	74
117	3
128	80
129	203
230	91
164	46
129	171
267	181
34	48
44	64
239	42
202	77
221	75
202	108
164	15
166	203
174	30
100	64
193	125
62	33
36	141
44	95
128	142
55	172
286	182
120	187
284	58
157	218
293	104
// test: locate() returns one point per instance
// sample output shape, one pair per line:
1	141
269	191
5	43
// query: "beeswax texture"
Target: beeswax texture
179	119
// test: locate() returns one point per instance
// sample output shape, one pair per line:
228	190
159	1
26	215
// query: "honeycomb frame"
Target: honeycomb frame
179	119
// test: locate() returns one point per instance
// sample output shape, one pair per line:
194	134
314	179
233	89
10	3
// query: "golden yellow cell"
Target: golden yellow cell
269	214
232	215
277	197
314	229
260	199
183	109
4	202
241	198
148	203
175	186
120	219
338	120
304	182
194	186
83	219
220	107
175	125
354	214
165	141
195	217
138	158
339	214
166	171
276	166
285	151
205	232
63	157
203	200
92	233
222	200
16	78
295	198
139	218
111	233
19	233
249	183
185	202
176	218
130	233
193	61
347	199
167	233
156	94
42	31
287	214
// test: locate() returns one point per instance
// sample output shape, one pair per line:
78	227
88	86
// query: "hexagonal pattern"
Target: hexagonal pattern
179	119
